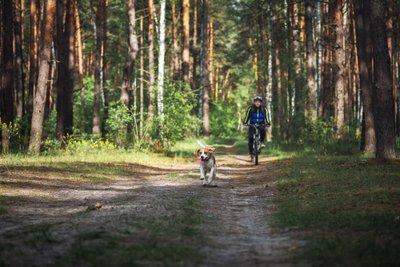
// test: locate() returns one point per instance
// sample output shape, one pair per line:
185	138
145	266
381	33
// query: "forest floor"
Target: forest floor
152	214
295	209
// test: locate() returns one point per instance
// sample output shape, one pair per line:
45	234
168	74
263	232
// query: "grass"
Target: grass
186	148
349	208
151	240
83	167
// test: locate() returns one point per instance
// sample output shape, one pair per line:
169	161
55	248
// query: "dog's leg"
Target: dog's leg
211	176
202	173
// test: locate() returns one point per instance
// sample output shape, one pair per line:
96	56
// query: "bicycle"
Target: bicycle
256	141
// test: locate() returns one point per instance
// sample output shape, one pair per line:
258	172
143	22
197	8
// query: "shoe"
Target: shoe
251	157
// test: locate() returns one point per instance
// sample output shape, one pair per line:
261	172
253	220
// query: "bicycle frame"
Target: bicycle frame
256	140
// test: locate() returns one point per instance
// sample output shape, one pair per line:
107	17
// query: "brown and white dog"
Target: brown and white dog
208	165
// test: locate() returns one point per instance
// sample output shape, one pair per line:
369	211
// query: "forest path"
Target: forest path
159	217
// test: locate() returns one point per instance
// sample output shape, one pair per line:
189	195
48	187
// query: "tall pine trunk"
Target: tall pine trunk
33	53
369	141
150	108
176	69
298	75
194	45
79	51
7	77
66	66
40	96
98	68
185	40
104	72
383	88
130	61
19	62
311	88
339	69
205	75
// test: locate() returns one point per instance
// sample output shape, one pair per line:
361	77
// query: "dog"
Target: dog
208	165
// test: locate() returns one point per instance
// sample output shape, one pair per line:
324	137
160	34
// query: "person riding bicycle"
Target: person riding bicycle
256	114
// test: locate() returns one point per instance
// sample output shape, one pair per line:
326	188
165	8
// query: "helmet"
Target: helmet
257	98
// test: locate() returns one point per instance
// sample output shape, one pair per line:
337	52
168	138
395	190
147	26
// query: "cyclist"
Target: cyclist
256	114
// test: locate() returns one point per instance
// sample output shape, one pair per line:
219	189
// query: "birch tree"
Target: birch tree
161	62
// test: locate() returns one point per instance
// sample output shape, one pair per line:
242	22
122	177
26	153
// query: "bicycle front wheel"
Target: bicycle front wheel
256	151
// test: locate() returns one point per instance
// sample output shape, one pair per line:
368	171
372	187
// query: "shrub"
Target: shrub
224	120
120	119
178	121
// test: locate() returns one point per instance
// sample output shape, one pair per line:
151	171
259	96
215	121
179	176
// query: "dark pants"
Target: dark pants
252	131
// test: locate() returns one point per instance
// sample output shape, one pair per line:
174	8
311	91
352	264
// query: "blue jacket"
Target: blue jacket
257	115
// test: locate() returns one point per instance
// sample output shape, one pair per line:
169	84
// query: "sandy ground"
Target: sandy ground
235	217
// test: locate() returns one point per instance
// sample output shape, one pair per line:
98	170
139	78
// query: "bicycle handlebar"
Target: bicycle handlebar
257	125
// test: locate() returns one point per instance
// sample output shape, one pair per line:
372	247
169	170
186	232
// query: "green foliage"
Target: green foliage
83	121
178	121
319	133
50	125
120	119
224	120
76	145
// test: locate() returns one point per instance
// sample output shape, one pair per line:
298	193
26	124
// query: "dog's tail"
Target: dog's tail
201	144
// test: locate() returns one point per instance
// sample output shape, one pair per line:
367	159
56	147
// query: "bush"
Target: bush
319	133
320	136
120	119
224	120
75	145
178	121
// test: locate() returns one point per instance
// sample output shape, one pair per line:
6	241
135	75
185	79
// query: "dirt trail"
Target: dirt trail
233	219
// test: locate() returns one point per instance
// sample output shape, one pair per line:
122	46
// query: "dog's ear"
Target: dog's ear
197	152
211	150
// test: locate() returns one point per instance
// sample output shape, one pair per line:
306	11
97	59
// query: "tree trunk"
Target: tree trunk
383	89
176	69
185	41
369	140
161	63
130	61
205	76
131	57
104	72
79	51
19	63
276	71
65	48
40	96
150	109
298	75
311	109
7	78
33	53
141	76
194	45
98	68
339	69
216	83
211	56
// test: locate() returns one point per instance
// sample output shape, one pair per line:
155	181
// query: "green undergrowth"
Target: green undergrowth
185	149
348	207
101	166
